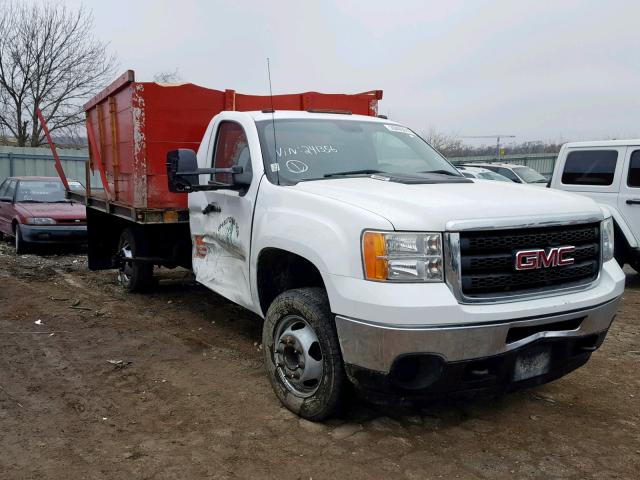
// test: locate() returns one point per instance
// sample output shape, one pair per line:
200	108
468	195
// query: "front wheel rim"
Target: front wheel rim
297	356
125	270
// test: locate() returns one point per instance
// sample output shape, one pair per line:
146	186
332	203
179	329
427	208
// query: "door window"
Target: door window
10	189
633	180
590	167
232	149
3	187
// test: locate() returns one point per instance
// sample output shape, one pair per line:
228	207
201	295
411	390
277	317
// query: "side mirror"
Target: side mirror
183	172
182	166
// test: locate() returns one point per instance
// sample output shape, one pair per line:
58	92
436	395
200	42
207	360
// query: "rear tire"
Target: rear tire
302	354
134	276
22	247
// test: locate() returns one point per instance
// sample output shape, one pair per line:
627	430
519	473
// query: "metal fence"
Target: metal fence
540	162
18	161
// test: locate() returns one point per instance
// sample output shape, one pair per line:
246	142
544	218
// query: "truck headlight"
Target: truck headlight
402	257
606	227
41	221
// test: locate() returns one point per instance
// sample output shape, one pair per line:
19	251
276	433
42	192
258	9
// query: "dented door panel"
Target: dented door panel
222	235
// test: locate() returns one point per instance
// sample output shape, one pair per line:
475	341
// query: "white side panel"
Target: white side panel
608	195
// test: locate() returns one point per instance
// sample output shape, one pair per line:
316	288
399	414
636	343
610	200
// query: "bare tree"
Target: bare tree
443	142
49	59
169	76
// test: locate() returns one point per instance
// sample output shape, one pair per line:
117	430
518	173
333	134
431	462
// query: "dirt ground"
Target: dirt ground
99	384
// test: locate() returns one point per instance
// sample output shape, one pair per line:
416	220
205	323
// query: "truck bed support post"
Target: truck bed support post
52	146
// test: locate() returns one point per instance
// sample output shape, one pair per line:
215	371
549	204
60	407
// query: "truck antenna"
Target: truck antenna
273	124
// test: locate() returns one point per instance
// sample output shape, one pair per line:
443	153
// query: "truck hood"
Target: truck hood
424	207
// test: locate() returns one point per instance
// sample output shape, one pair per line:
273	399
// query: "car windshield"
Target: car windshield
313	149
529	175
40	191
489	175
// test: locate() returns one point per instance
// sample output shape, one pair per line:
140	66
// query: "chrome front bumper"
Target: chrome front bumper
377	346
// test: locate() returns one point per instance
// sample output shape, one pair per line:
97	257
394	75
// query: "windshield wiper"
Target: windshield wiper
352	172
442	172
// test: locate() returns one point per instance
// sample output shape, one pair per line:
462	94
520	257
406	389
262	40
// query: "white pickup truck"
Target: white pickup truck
374	261
608	171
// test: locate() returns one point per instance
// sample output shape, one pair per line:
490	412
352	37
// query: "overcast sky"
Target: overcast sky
542	69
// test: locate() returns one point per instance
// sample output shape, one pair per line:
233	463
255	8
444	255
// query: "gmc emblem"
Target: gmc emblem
539	258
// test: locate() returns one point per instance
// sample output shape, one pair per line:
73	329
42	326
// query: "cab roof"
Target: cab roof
296	114
603	143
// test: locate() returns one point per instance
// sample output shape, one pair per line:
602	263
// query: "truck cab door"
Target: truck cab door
221	220
629	197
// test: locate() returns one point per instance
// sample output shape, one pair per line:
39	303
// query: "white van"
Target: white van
608	172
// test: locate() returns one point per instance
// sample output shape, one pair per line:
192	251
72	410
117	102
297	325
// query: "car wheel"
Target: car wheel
134	276
302	353
21	246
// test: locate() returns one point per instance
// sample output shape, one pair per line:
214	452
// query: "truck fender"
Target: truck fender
288	245
319	230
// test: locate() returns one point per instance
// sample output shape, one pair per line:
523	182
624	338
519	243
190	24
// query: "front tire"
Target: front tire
22	247
302	353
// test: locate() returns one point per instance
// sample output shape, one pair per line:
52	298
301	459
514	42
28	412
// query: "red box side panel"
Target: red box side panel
111	121
124	126
174	117
360	104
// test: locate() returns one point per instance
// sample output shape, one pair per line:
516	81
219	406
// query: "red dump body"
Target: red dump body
132	125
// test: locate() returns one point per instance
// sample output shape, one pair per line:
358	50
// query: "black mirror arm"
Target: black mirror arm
236	169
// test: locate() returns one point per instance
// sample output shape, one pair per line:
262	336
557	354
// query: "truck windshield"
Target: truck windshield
313	149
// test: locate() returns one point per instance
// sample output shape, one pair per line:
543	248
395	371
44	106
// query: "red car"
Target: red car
35	210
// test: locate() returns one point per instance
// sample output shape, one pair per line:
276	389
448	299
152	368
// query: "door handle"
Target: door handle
212	207
633	201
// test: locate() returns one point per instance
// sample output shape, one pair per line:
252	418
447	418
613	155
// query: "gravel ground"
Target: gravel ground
99	384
